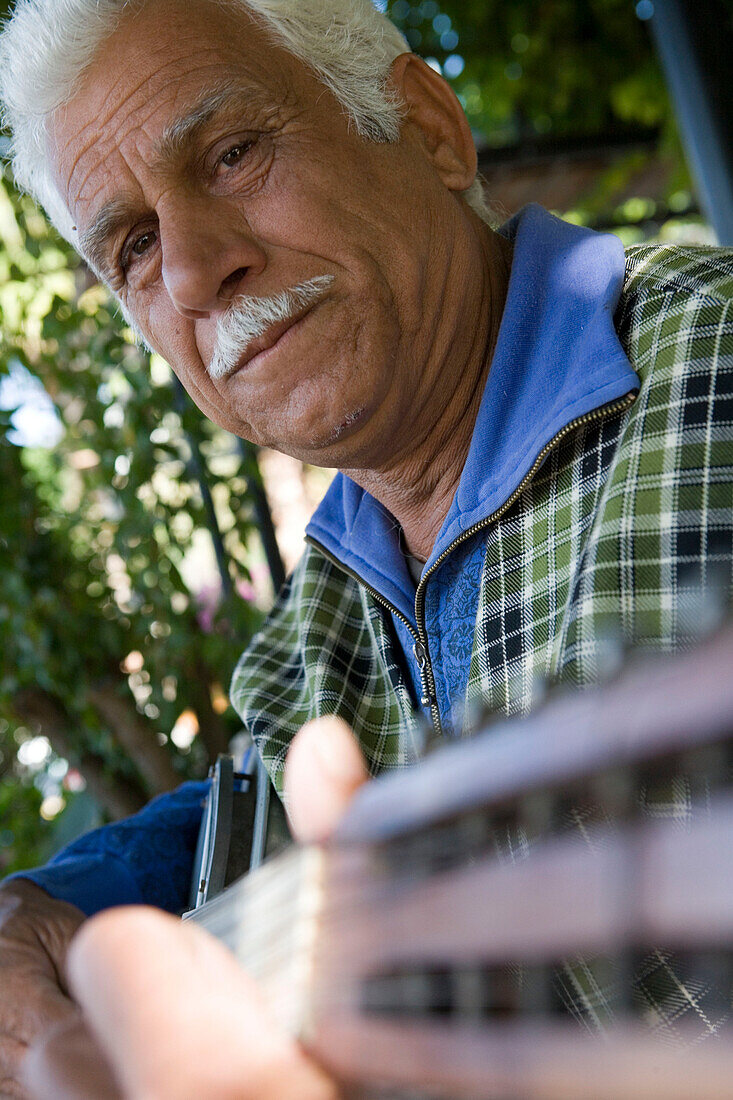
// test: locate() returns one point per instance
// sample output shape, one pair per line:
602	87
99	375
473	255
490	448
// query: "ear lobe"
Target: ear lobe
433	108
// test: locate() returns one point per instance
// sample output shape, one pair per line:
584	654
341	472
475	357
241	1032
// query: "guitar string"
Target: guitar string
274	964
440	845
346	893
267	948
266	943
428	849
270	946
346	897
281	907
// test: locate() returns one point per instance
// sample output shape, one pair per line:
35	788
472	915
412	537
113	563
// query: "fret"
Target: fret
269	921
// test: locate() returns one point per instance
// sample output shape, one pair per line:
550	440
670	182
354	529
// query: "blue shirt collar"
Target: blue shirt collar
557	358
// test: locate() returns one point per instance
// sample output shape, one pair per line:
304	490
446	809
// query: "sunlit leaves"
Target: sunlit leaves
95	534
532	67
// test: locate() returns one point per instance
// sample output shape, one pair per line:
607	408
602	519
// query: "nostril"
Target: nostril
229	286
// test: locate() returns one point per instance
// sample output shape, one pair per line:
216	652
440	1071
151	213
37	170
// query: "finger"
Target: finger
178	1017
69	1065
323	769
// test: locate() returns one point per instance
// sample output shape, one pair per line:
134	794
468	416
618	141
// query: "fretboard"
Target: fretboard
423	946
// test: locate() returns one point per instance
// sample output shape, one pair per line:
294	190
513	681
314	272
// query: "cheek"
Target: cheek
330	207
170	334
175	339
167	328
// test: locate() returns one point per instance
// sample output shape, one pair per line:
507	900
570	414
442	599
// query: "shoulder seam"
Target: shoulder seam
637	282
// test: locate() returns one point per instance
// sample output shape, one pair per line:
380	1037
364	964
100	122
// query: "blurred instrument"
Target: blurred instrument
241	825
420	949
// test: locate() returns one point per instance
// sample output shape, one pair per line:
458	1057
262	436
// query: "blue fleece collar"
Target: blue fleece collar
557	358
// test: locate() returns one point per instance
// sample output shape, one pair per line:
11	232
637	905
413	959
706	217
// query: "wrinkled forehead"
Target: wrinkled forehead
161	67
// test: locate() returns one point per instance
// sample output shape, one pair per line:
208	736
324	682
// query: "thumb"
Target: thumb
324	768
178	1018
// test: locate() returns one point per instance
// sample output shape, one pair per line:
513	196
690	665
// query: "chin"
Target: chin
347	426
328	447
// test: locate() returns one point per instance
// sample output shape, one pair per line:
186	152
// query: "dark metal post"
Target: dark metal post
262	513
694	39
197	469
257	495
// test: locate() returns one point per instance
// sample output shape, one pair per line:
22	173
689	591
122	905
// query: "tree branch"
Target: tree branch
136	737
118	797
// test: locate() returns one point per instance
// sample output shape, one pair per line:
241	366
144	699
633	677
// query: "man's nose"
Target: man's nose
205	259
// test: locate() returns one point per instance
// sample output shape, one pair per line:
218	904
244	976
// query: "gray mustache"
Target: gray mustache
248	318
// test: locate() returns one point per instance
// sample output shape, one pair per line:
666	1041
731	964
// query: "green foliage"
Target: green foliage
96	534
24	835
543	75
542	67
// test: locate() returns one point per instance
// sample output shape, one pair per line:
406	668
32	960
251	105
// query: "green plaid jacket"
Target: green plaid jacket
629	510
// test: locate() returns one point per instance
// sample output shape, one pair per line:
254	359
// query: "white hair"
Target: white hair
248	318
47	45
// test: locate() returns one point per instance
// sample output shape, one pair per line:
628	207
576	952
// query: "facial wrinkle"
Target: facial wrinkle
181	133
94	242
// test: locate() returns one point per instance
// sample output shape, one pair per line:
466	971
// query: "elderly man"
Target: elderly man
534	431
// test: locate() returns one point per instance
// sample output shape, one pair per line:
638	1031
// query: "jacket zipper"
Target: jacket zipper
420	648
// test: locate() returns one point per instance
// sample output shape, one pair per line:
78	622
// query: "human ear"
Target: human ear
433	108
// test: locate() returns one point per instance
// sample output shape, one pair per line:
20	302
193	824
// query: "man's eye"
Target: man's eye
136	247
233	156
143	243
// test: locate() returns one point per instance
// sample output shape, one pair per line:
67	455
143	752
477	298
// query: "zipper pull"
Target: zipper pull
422	663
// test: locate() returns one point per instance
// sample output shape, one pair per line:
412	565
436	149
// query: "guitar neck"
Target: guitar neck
270	920
422	947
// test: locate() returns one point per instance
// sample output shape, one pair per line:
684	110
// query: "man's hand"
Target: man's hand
176	1017
174	1014
35	932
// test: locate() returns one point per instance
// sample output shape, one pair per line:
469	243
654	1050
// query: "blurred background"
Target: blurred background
140	546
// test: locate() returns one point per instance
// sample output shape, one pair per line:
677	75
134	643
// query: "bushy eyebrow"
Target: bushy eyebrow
114	215
180	134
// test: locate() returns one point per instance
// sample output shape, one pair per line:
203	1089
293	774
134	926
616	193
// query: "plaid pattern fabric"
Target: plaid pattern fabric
625	517
324	650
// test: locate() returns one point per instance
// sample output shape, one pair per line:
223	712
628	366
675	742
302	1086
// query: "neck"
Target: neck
419	483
